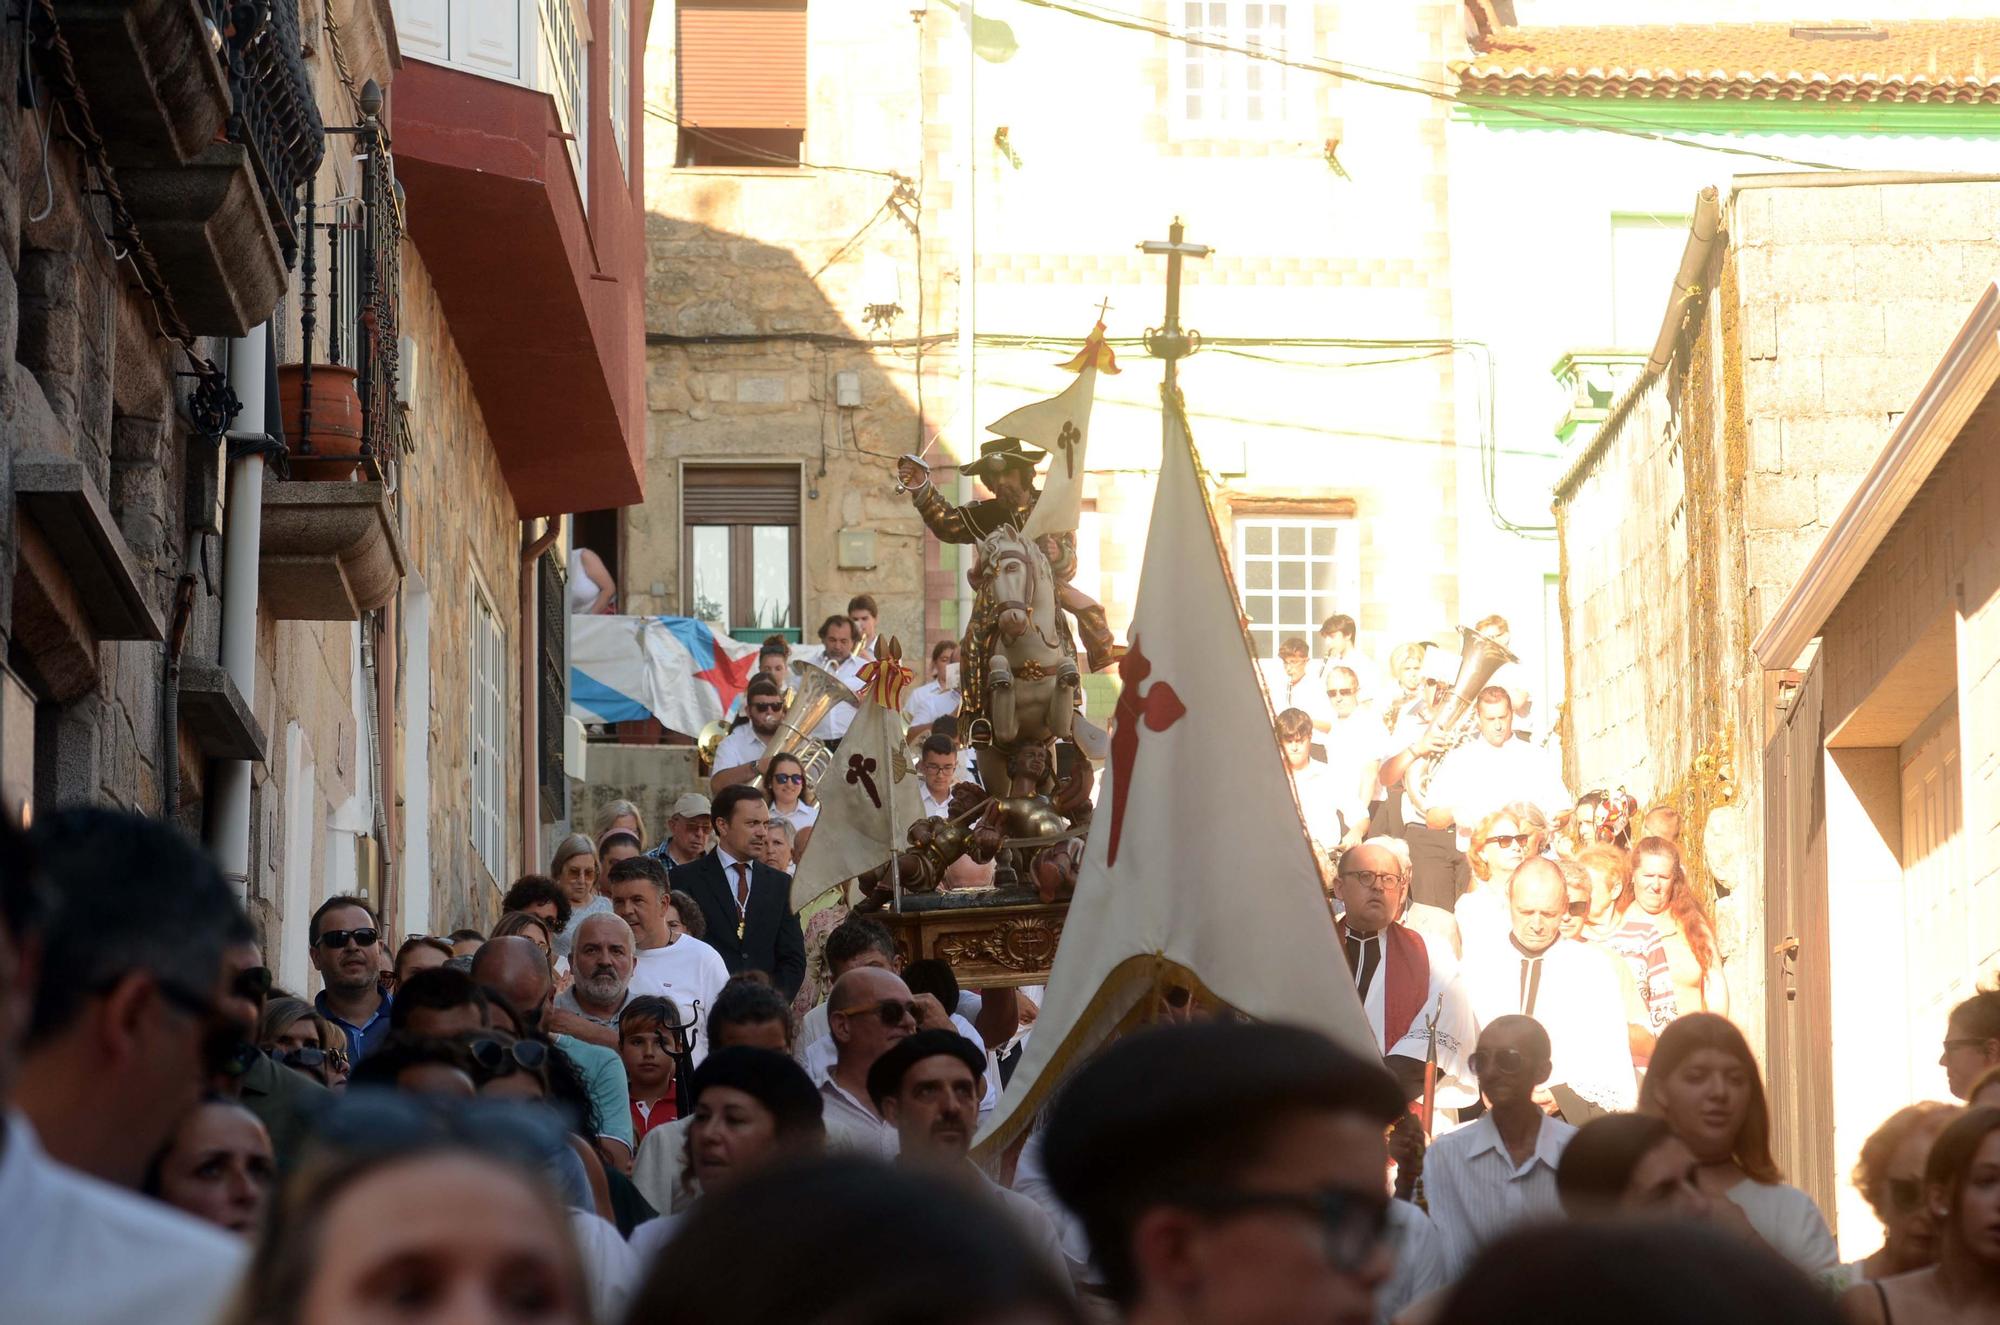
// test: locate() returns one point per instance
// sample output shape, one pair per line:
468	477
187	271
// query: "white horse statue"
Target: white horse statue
1022	666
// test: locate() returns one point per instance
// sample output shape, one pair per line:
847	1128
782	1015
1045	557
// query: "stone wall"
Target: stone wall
1690	515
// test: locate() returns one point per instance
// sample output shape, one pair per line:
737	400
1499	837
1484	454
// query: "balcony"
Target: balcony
329	546
529	225
209	129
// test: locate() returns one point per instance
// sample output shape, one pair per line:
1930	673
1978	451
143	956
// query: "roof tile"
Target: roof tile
1930	61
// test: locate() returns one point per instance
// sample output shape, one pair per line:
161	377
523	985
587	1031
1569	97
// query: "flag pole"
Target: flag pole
1169	341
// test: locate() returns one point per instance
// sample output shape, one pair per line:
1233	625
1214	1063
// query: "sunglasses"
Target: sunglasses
1580	908
377	1120
496	1059
892	1011
334	939
1354	1224
1345	692
767	708
788	778
308	1056
1496	1060
1510	840
222	1042
253	983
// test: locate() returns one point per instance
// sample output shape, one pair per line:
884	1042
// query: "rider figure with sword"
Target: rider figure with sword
1007	467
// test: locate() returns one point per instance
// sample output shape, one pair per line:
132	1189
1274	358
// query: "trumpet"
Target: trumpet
1480	656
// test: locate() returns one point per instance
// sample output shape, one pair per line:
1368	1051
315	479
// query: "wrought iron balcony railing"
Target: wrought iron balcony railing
272	110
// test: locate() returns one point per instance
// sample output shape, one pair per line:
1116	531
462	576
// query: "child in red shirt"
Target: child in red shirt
649	1041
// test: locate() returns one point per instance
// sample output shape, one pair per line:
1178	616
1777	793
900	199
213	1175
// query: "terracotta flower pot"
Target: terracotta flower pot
335	437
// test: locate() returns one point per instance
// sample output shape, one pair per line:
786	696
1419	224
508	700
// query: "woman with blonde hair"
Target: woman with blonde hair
1890	1176
1659	885
1502	840
1704	1082
575	868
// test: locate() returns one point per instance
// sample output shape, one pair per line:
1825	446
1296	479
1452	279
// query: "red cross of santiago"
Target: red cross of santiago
1157	708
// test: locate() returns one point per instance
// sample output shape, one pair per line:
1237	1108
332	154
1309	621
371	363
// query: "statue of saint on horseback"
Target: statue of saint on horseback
1020	673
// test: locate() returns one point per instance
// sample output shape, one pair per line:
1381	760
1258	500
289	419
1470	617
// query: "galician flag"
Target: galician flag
869	796
1162	898
1060	425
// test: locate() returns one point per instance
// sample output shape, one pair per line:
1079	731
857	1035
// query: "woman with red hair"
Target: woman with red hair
1659	886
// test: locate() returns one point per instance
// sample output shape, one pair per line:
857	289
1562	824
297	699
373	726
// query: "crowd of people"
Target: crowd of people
652	1091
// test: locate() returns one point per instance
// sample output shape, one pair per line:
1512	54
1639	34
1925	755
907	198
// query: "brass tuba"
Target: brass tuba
815	693
1479	657
709	742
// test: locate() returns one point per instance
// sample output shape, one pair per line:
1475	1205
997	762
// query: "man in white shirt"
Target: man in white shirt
740	757
938	768
928	1087
1353	746
1295	684
1572	989
1484	1180
867	619
134	947
604	967
1337	647
1320	801
682	967
836	637
1493	770
868	1010
937	697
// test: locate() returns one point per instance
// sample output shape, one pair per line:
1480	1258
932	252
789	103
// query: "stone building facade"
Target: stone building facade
385	710
908	279
1813	317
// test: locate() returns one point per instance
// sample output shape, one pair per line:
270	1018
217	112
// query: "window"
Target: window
1293	571
742	82
1215	88
741	543
1645	253
620	88
487	709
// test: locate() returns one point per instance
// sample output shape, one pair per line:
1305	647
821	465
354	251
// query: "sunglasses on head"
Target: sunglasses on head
892	1011
1496	1060
335	939
378	1120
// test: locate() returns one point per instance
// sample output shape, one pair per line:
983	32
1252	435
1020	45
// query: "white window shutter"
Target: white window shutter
486	36
423	28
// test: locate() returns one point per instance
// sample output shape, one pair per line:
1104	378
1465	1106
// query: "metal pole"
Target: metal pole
1169	341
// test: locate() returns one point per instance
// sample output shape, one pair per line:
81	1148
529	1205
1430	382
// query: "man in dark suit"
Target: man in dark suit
746	904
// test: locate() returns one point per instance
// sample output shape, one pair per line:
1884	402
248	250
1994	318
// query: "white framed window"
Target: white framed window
1214	91
487	726
1293	572
619	62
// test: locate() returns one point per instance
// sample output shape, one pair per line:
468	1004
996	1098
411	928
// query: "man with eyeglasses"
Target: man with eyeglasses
740	757
1573	989
868	1010
123	1029
1484	1180
1971	1042
1229	1174
938	769
1408	992
343	933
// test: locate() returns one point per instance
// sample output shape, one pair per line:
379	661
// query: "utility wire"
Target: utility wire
660	112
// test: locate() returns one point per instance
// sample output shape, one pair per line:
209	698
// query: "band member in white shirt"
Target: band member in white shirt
837	640
1320	801
1295	683
740	757
937	697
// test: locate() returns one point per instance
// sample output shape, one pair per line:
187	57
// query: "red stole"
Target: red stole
1406	972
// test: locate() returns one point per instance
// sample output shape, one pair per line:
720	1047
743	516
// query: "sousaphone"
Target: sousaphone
816	692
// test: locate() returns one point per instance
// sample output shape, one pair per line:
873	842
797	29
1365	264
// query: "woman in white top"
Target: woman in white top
1704	1082
1500	843
590	589
791	799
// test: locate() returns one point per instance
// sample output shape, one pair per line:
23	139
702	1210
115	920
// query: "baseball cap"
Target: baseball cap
692	805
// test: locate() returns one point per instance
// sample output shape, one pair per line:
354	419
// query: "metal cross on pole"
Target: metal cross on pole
1170	342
